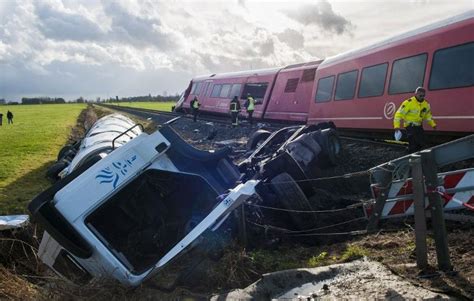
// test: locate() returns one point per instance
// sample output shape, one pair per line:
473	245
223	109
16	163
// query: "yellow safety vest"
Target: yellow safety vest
413	112
196	104
251	105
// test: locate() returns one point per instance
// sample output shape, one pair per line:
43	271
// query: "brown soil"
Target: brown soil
22	277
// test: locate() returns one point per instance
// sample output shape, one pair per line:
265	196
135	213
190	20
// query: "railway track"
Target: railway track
161	117
170	115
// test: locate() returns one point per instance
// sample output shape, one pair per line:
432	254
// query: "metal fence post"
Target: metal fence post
384	183
436	205
420	219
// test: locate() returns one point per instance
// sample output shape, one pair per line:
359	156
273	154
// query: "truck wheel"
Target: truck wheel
54	170
331	148
334	148
62	153
290	195
257	137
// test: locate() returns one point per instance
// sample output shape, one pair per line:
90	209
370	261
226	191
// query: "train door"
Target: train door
223	100
302	97
212	96
195	92
259	91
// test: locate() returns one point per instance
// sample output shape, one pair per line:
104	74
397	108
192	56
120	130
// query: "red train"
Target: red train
360	89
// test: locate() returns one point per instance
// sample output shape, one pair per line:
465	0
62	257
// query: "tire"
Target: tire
257	137
64	151
331	148
54	170
290	195
334	148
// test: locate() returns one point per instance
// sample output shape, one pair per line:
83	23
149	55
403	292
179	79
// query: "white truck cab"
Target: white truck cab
122	216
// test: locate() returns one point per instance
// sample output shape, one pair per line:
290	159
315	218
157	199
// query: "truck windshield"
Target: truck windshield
144	220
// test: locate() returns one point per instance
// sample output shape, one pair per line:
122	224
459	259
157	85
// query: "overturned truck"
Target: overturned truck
127	212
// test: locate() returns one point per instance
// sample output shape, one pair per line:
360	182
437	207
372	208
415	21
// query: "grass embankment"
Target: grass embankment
28	147
159	106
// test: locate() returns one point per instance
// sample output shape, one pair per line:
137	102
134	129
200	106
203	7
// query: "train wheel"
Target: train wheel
257	138
290	195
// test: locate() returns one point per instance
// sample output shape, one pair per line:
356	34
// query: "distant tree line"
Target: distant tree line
41	100
158	98
60	100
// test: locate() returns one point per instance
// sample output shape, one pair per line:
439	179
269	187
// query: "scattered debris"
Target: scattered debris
230	142
212	134
13	221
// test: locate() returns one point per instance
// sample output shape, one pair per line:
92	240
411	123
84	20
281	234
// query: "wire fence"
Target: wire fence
296	233
351	207
344	176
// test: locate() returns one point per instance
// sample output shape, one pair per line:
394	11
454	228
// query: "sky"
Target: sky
94	48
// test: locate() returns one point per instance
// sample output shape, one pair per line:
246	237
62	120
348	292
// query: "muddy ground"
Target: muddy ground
23	277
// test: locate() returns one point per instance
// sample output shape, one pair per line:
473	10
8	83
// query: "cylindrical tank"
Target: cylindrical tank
97	143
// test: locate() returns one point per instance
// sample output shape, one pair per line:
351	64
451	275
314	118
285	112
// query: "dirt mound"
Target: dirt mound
84	122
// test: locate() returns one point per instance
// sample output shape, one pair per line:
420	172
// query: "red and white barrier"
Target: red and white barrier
457	192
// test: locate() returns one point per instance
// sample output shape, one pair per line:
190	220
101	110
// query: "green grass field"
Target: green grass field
28	147
159	106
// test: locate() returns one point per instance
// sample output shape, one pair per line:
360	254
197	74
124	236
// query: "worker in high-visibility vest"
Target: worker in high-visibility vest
413	111
195	107
234	109
250	106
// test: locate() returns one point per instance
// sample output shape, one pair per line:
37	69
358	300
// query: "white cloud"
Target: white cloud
321	14
133	47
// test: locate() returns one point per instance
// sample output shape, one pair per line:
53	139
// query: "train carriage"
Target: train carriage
217	90
280	93
362	89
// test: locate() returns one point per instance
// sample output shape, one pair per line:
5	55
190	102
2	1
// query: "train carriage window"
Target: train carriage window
407	74
235	91
196	89
257	90
204	89
225	91
216	90
210	89
324	91
372	80
346	84
453	67
291	85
